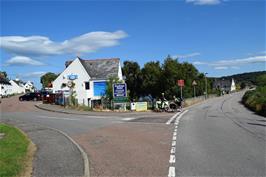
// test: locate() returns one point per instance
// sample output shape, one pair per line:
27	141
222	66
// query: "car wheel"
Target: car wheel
34	99
20	99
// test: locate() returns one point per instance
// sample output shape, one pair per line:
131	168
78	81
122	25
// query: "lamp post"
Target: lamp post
206	86
194	83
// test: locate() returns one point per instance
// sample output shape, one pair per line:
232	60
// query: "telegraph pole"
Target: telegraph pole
206	86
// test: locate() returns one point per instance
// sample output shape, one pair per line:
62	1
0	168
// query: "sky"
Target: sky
220	37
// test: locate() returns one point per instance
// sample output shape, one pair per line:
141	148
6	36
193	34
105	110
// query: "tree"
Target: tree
133	79
151	77
47	78
3	74
261	80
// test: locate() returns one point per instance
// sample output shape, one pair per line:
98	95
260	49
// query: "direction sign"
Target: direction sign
180	83
120	90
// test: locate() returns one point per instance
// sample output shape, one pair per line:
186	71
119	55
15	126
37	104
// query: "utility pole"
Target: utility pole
206	86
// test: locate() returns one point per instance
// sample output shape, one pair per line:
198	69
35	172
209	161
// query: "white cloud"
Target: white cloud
187	55
204	2
33	74
42	46
235	63
21	61
221	67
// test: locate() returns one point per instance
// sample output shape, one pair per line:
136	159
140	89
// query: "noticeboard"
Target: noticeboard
141	106
119	90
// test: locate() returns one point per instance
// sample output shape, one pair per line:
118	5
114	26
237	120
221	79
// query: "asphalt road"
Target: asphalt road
221	138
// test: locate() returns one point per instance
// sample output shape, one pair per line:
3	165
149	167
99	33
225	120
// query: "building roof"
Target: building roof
101	68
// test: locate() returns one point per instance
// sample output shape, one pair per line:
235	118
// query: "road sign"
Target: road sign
120	90
194	83
180	83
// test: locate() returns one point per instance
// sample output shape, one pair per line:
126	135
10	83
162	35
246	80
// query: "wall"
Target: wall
75	68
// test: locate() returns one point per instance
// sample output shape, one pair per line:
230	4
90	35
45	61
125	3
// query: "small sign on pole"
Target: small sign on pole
181	84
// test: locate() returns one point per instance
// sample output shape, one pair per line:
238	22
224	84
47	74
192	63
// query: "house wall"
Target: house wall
5	89
75	68
16	88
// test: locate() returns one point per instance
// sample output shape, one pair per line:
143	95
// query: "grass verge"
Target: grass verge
16	152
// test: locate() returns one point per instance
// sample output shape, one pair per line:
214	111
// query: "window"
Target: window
87	85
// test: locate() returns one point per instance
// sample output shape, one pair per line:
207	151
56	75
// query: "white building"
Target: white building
89	78
5	87
233	85
17	86
29	87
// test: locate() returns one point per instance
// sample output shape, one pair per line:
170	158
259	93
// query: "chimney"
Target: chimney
67	63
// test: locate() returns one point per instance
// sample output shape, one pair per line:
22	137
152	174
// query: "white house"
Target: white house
89	78
29	86
233	86
5	87
17	86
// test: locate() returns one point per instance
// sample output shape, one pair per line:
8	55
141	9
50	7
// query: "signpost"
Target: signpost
120	94
181	84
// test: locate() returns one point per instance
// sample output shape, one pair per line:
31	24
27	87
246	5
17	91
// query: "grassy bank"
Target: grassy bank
256	100
13	151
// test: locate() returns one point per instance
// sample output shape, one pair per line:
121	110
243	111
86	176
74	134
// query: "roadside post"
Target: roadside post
181	84
120	94
194	83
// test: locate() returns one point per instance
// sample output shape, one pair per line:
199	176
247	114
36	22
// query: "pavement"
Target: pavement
56	155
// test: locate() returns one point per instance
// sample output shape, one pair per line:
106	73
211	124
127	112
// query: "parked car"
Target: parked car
35	96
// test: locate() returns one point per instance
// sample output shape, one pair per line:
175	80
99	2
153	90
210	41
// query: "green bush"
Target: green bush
256	100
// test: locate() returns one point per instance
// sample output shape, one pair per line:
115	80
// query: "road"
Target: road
218	137
221	138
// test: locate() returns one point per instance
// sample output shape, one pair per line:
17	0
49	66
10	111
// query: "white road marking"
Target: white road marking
174	137
172	118
128	119
173	143
172	150
171	172
59	118
172	159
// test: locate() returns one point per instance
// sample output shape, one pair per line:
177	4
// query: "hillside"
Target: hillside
246	78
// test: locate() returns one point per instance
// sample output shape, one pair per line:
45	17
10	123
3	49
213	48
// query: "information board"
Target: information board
119	90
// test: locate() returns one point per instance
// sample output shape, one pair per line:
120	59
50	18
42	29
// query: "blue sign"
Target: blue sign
99	88
120	90
72	77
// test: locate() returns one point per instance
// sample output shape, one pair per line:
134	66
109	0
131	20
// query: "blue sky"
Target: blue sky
221	37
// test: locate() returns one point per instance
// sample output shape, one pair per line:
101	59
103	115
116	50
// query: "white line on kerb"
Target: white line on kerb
171	172
174	134
172	118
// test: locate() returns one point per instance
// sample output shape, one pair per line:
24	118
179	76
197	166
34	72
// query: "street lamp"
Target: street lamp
206	86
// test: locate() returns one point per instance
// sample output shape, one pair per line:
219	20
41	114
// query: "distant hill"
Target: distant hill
246	78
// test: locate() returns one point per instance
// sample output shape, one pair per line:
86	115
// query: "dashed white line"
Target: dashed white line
172	159
171	172
174	137
173	143
128	119
172	150
172	118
